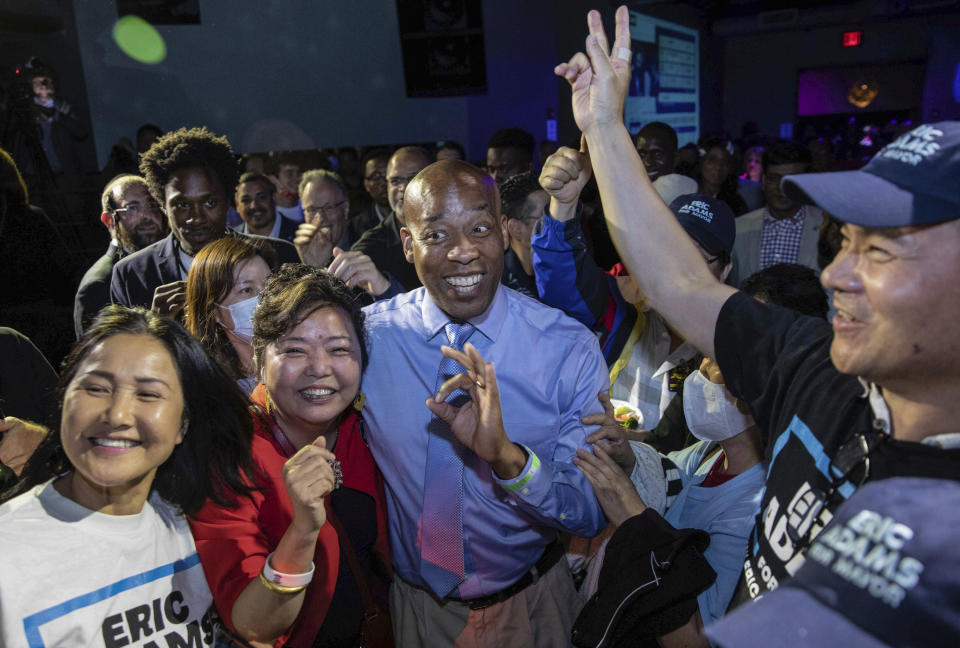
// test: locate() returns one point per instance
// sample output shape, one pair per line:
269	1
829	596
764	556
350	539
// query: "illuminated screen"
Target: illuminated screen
665	84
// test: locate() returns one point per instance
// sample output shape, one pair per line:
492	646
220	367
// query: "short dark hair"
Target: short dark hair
214	457
513	138
153	128
256	176
290	295
786	152
375	154
789	285
36	67
661	130
514	192
188	148
286	157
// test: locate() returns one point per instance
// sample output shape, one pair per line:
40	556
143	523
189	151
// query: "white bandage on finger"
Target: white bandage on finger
624	53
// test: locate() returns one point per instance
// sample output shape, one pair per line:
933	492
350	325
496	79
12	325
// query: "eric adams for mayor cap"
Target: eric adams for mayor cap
885	572
914	180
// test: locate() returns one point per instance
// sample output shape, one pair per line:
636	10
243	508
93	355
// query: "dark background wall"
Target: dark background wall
760	69
310	74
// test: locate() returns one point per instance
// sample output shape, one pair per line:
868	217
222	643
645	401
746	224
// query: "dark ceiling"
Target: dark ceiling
718	9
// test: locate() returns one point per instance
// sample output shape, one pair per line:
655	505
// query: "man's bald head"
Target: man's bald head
404	164
442	176
454	236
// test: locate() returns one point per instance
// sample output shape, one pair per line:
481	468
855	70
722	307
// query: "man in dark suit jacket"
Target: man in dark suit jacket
374	211
191	173
258	209
382	242
134	221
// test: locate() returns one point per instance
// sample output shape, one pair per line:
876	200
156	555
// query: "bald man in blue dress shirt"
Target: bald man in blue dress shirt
477	460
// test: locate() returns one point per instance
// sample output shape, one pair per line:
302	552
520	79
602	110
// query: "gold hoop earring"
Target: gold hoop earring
359	401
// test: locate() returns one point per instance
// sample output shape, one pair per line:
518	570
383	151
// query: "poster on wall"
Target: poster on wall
665	83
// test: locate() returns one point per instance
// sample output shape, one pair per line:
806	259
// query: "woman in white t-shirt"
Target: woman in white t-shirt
95	549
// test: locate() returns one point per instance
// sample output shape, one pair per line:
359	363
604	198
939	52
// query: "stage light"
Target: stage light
139	40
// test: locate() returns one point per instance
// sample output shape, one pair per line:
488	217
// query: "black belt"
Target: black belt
551	556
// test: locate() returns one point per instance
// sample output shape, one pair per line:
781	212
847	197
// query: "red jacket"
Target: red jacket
233	543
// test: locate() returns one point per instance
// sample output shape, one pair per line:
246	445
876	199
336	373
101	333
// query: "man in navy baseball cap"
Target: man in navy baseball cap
885	572
877	394
894	281
915	180
708	221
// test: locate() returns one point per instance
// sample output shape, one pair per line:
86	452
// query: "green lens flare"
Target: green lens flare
139	40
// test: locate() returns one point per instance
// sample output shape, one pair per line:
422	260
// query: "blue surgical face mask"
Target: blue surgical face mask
242	315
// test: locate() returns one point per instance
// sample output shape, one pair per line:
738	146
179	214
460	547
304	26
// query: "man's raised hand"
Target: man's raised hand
563	177
357	270
600	78
168	299
313	245
478	423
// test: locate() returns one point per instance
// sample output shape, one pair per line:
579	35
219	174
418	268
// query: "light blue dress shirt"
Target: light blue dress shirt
549	371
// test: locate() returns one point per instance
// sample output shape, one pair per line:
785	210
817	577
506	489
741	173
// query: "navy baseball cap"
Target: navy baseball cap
885	572
707	220
914	180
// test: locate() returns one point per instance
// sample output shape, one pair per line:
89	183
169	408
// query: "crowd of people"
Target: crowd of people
603	395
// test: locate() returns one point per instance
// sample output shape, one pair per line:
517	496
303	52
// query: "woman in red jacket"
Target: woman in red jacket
276	560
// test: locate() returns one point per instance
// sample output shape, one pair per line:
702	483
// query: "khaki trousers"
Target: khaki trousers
541	616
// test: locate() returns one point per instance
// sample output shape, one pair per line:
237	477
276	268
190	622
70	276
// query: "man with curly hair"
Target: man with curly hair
191	173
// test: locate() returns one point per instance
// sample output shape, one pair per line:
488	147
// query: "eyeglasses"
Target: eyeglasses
315	212
135	209
400	181
849	469
379	176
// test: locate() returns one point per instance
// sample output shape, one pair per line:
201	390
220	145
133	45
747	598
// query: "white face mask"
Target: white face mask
711	411
242	315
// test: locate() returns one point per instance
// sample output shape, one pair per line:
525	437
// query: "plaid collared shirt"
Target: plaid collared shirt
780	239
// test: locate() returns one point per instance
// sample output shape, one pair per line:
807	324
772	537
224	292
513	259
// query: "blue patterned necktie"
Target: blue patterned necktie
441	521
